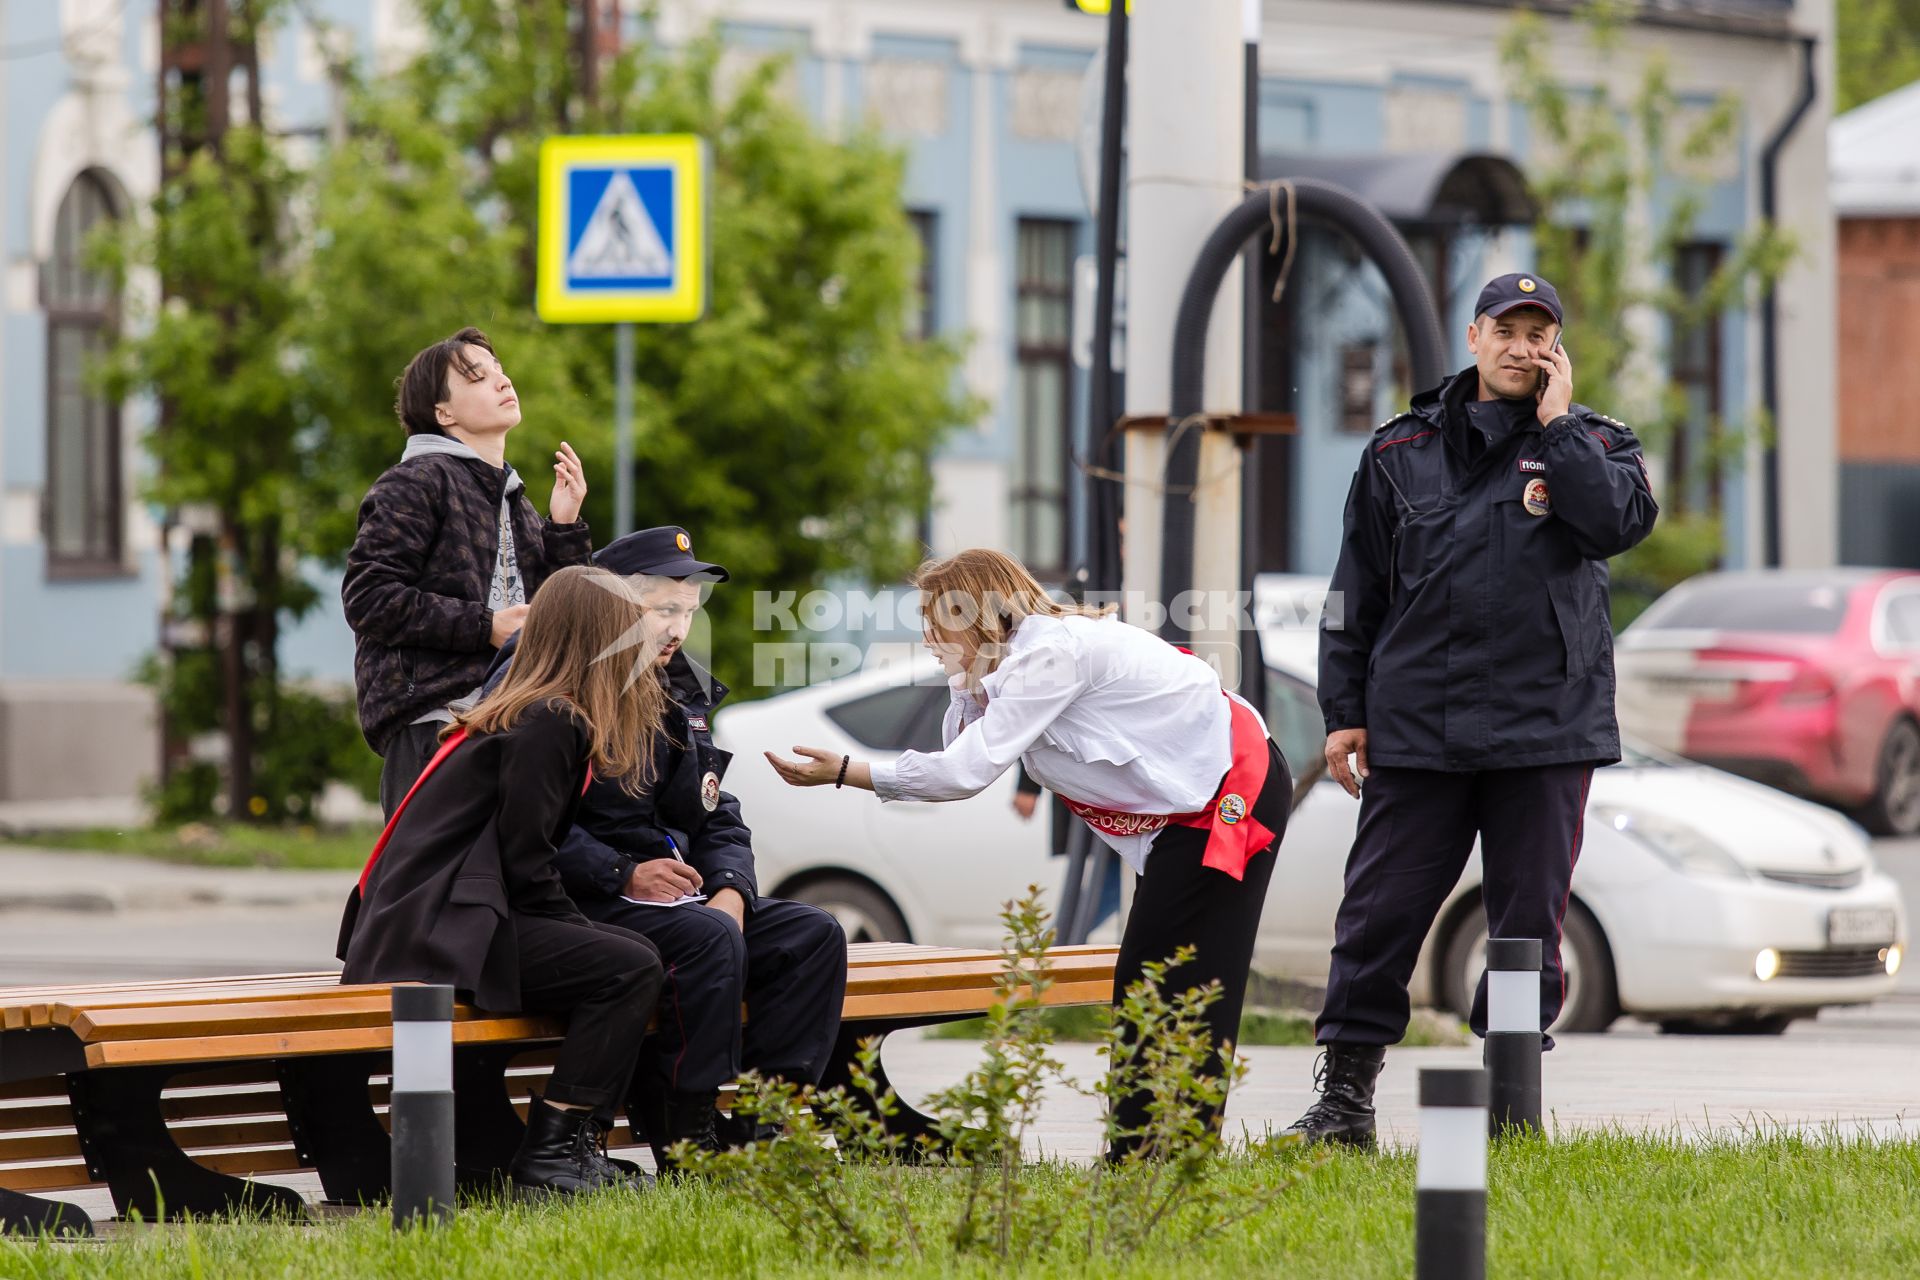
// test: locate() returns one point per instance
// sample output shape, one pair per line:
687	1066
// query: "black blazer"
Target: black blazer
476	843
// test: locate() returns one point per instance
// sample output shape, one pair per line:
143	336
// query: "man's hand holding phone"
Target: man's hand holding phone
1556	383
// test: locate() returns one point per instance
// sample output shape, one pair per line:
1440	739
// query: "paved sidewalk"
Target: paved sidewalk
33	880
1686	1085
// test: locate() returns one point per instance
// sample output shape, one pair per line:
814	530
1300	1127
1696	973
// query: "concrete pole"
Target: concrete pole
1185	161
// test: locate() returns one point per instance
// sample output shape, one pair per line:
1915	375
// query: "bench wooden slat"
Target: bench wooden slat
38	1146
38	1087
910	1003
359	1008
295	1044
40	1115
46	1177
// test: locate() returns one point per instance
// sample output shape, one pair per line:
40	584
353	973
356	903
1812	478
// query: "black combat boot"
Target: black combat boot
667	1118
1345	1077
564	1152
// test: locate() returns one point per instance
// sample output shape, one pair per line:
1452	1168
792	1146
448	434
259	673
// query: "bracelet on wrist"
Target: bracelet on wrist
844	761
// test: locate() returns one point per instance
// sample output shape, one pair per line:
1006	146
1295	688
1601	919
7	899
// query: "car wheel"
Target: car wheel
1895	807
1592	1001
1769	1024
865	914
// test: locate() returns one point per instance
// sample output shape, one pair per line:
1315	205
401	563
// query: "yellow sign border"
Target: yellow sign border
686	154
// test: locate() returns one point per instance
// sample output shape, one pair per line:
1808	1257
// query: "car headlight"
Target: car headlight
1685	848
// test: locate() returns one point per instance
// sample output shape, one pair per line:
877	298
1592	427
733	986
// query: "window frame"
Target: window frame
1023	499
67	313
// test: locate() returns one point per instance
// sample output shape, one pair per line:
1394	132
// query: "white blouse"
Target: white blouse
1101	712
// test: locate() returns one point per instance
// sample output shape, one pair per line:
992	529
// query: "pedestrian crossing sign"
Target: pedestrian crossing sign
622	229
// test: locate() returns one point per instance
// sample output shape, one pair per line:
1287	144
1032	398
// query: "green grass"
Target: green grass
1257	1027
1771	1206
229	845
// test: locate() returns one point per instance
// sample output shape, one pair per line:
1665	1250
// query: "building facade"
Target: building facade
988	99
1876	197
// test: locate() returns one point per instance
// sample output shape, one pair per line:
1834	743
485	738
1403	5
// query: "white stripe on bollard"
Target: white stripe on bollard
1453	1149
423	1057
1513	1000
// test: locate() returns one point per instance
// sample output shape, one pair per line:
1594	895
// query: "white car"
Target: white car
1700	901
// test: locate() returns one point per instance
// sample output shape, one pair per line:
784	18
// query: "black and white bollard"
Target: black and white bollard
422	1107
1450	1205
1513	1034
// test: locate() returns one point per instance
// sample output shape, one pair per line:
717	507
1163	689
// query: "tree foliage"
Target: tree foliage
1619	167
1877	49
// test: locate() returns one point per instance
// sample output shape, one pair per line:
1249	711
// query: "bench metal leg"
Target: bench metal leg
335	1128
31	1215
486	1129
908	1122
124	1137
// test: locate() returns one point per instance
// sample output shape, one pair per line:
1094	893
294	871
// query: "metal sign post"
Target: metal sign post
623	240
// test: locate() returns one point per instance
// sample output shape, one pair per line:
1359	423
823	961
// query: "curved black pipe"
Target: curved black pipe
1412	298
1770	305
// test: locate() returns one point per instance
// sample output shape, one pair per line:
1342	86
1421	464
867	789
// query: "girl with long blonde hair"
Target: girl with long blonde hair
1136	736
461	888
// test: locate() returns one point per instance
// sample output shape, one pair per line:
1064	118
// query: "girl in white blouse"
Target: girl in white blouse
1135	735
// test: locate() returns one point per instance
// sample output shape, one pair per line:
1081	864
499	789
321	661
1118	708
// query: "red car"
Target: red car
1808	680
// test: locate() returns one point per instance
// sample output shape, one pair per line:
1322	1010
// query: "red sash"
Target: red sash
1234	834
454	739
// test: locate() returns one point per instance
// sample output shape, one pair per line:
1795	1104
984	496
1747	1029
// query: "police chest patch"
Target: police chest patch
1535	498
697	723
1532	464
1232	808
710	791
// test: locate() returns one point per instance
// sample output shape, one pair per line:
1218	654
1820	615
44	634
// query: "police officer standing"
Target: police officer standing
1466	667
629	858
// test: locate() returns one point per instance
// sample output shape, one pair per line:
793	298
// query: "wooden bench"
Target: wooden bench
176	1095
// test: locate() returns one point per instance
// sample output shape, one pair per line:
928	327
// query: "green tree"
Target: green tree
1616	165
1877	48
791	429
230	453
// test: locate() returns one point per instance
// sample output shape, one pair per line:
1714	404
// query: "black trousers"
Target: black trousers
408	751
788	967
1178	902
606	981
1417	828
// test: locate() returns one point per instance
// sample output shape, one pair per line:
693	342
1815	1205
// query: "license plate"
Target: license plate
1859	926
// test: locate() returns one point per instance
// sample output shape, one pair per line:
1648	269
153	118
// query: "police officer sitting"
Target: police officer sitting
1470	674
627	857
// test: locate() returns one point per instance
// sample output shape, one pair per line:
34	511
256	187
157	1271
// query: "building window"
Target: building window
1043	383
82	503
923	316
1694	464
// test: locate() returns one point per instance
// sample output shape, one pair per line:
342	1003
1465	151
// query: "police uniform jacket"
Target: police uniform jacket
613	831
1469	626
475	843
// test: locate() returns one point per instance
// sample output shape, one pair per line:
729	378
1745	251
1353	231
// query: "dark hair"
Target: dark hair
424	384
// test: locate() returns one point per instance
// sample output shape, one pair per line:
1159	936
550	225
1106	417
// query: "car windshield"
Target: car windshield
1805	606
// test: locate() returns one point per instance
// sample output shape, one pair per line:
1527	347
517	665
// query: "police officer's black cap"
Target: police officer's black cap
1511	292
665	552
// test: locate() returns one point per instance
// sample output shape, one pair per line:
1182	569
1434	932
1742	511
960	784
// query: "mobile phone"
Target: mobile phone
1546	377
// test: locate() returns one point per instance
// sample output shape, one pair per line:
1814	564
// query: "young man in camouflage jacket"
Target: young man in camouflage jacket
449	551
